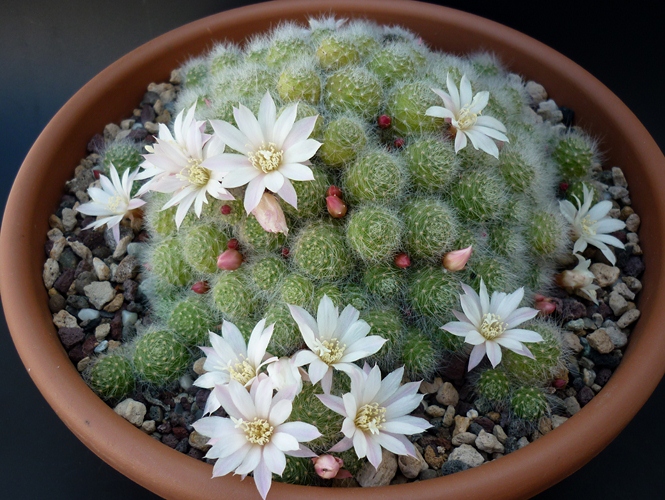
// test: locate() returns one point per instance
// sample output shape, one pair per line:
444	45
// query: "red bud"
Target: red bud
336	207
232	244
226	209
229	260
402	261
200	287
399	143
384	121
334	191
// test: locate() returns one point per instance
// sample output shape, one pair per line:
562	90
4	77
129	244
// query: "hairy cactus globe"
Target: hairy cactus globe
359	198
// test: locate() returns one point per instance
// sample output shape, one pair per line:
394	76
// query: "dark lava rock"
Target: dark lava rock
70	336
96	144
455	368
475	428
64	281
510	445
89	345
92	239
150	98
130	288
180	432
452	466
147	113
78	301
485	423
585	395
604	360
68	259
602	376
197	454
571	309
116	326
634	267
183	446
83	280
428	474
138	134
170	440
76	354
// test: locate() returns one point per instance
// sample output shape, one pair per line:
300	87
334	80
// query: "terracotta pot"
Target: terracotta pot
173	475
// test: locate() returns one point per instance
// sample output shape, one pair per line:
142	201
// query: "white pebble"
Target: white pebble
88	314
102	346
129	318
186	381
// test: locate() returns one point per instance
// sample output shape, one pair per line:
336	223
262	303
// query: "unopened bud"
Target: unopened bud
402	260
329	467
457	259
334	191
384	121
229	260
233	244
336	207
200	287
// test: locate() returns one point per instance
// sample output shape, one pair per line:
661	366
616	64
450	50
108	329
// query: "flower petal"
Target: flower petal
493	352
288	193
284	441
300	430
374	454
251	460
231	136
262	479
301	151
477	355
253	193
274	459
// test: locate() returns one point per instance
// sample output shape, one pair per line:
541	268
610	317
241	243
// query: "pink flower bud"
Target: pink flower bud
229	260
545	305
232	244
457	259
201	287
270	215
226	209
336	207
402	261
328	466
334	191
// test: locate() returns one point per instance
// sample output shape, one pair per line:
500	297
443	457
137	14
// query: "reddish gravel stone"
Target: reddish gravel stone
70	337
89	345
585	395
180	432
76	354
170	440
64	281
485	423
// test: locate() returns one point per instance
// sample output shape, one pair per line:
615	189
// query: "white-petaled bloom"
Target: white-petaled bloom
591	224
579	279
463	110
230	358
326	23
272	151
186	163
489	323
284	373
112	202
256	436
377	414
334	341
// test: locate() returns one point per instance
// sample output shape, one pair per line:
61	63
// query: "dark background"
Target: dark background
48	50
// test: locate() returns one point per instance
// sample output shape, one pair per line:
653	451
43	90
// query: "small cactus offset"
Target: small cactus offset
159	358
493	385
112	376
529	403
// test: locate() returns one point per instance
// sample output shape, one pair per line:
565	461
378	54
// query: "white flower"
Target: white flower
579	279
377	414
284	373
256	436
186	163
590	226
273	151
326	23
463	109
334	341
488	324
112	202
230	358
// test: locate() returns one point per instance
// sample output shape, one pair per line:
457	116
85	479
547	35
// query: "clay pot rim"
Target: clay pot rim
174	475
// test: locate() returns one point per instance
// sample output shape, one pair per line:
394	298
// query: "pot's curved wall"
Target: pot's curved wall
143	459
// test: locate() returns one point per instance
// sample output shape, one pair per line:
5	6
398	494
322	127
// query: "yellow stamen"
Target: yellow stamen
267	158
492	326
466	118
586	225
330	351
258	431
370	417
114	203
242	371
194	173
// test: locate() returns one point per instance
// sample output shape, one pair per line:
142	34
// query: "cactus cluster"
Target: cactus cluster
408	192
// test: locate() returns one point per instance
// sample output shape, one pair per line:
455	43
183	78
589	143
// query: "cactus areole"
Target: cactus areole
374	179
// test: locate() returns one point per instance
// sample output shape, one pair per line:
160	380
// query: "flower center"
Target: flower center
370	417
586	225
266	159
258	431
466	118
115	203
492	326
242	372
194	173
330	351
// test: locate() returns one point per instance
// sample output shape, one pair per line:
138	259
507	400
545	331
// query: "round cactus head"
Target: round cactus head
528	403
354	90
112	377
201	246
407	105
574	154
168	263
231	295
191	319
430	227
321	252
267	272
418	355
548	355
377	176
432	163
160	358
374	233
343	139
297	290
493	385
